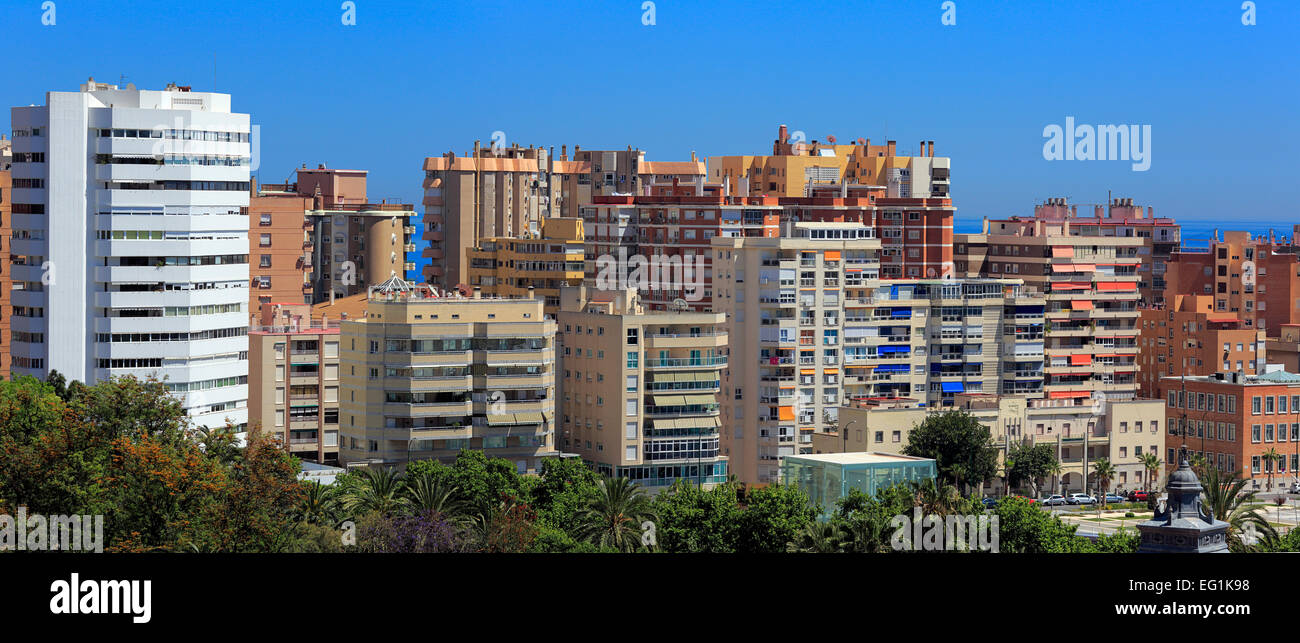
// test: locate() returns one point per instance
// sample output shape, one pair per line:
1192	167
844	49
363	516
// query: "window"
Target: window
1254	432
631	337
264	240
632	358
631	407
1254	404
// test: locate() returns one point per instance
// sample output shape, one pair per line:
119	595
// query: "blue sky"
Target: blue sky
414	79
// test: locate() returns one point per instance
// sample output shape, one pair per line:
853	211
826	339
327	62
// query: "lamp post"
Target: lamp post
845	435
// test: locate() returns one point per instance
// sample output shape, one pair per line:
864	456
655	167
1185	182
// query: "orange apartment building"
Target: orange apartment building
507	191
1285	348
1233	420
319	237
1188	337
1255	279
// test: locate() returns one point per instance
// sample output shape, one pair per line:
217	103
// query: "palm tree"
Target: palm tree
1197	462
1222	495
614	516
426	493
818	538
1054	470
1151	466
320	505
1269	458
380	490
933	498
1104	472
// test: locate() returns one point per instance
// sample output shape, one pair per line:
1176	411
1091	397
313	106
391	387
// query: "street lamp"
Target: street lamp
845	435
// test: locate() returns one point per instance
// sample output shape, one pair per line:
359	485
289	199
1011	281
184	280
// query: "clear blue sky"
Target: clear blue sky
414	79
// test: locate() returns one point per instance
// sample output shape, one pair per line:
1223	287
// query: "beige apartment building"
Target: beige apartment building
531	266
1092	291
783	298
1121	431
426	376
640	389
293	380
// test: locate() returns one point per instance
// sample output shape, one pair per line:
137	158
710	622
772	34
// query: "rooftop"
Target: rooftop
858	458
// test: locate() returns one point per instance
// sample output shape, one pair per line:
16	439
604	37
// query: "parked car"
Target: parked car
990	503
1113	497
1137	496
1029	500
1080	499
1054	500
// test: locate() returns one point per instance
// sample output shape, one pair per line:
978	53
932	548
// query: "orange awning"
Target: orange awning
1063	251
832	255
1072	285
787	413
1081	304
807	371
1073	267
1117	285
1064	394
1080	360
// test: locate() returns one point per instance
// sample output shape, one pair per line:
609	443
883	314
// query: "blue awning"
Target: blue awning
901	312
895	349
953	387
893	368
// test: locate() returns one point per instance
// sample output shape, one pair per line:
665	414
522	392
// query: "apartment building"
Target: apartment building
1256	279
507	191
319	237
294	381
531	266
784	300
1092	289
426	376
6	264
1121	431
1120	228
496	192
640	389
130	242
1233	420
1285	348
1187	336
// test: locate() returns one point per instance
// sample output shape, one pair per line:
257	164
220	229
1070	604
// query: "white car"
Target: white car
1081	499
1054	499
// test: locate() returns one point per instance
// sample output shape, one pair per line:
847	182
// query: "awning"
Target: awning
807	371
1081	304
1072	285
954	387
497	419
700	399
1056	395
832	255
1221	320
895	349
893	368
1073	267
669	400
1063	251
1117	285
529	417
1080	360
786	413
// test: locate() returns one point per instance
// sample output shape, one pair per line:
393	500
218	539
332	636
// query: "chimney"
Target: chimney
693	159
726	185
931	148
564	152
782	135
478	292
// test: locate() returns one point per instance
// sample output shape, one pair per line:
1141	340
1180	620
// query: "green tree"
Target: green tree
320	504
1024	528
1029	462
614	516
57	382
961	446
561	492
482	481
1151	467
772	517
693	520
427	493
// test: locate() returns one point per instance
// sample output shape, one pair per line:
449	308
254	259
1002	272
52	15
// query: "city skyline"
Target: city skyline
671	88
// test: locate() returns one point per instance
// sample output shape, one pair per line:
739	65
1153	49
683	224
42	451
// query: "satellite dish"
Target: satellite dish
680	305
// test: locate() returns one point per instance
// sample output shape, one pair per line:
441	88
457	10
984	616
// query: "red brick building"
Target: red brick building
1233	420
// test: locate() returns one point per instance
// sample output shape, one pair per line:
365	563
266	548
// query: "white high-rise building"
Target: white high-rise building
130	244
